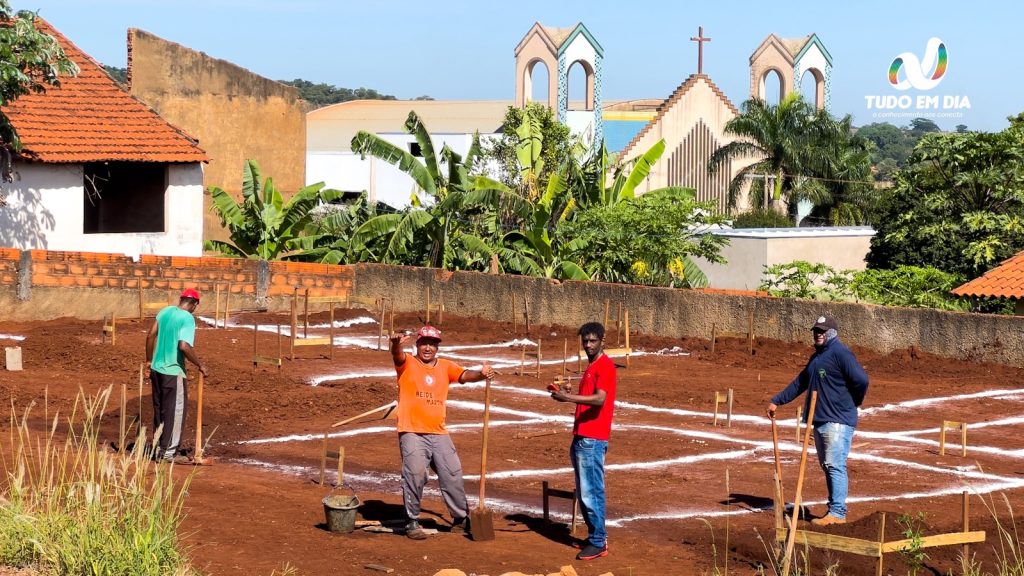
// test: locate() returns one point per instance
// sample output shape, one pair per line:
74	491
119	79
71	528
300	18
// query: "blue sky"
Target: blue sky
455	49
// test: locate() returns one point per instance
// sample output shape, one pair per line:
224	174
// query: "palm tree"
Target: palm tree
436	232
786	141
263	225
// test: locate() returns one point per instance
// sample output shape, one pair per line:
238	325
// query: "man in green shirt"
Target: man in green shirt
168	344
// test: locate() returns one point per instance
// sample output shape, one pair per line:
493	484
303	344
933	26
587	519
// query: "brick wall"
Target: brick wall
165	276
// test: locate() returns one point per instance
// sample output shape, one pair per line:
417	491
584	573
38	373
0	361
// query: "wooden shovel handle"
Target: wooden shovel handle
775	444
199	421
483	449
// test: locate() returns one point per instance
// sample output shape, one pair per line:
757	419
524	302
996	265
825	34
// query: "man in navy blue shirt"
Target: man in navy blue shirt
841	383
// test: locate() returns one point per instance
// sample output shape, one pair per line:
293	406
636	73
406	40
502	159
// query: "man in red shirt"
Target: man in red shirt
595	405
422	437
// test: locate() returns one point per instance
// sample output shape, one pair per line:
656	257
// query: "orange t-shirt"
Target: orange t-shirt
422	394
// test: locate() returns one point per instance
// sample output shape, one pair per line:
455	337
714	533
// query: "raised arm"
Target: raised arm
398	347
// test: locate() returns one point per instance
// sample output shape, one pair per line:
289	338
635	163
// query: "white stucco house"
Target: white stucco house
99	171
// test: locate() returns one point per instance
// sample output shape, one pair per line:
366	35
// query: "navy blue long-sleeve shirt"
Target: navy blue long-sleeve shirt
838	378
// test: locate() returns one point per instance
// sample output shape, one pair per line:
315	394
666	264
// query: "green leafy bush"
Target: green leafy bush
761	218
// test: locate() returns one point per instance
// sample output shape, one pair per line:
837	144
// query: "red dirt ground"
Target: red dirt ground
258	506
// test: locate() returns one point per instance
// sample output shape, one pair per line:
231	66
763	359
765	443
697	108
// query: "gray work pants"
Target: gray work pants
438	452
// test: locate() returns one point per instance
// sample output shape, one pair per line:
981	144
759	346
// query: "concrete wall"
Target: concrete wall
41	285
46	207
235	114
747	257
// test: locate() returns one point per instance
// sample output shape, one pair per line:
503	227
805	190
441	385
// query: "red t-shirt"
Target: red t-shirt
596	421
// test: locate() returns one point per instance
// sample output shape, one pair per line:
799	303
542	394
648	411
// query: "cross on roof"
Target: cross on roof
700	40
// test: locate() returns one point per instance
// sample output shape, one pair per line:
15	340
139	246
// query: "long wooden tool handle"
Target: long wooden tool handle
391	404
483	449
778	457
791	541
199	421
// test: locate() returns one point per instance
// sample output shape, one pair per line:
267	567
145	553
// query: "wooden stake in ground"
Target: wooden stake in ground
295	321
728	505
881	542
142	367
323	458
780	502
607	306
515	317
565	354
964	511
481	520
124	408
539	342
428	305
791	539
305	314
198	459
380	332
629	350
750	331
341	466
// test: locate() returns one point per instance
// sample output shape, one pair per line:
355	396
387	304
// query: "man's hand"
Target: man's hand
487	371
559	397
399	338
203	370
771	410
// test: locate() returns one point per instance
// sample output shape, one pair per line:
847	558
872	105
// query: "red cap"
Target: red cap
429	332
190	293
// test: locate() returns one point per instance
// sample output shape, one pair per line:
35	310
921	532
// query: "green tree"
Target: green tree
761	218
30	61
532	147
649	240
786	140
320	95
959	207
263	225
119	74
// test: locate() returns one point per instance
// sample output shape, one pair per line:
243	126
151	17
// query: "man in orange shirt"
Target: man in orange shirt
422	437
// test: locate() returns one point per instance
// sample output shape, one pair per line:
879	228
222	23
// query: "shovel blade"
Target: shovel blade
481	524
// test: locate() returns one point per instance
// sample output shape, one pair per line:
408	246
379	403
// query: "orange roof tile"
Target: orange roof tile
1003	281
92	118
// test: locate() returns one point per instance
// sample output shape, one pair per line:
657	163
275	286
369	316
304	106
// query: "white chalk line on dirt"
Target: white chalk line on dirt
970	425
379	430
379	480
939	399
285	328
11	337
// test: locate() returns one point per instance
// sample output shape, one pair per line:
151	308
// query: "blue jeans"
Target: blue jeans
832	441
587	455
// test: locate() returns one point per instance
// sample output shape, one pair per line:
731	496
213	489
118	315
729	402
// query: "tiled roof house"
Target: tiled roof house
100	171
1003	281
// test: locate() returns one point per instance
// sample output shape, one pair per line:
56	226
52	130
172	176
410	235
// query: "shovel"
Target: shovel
481	520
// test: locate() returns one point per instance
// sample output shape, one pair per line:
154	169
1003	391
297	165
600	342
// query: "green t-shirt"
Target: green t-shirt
173	325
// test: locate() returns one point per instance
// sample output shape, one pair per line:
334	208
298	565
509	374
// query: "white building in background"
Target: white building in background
329	133
751	250
100	172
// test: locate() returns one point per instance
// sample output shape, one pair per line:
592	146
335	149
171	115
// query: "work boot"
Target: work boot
460	526
828	520
414	531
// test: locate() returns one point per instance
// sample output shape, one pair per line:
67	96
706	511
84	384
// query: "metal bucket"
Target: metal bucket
340	512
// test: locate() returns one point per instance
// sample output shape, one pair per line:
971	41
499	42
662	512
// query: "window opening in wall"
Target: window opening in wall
124	197
414	149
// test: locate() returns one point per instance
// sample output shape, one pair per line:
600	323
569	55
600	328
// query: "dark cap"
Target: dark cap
825	323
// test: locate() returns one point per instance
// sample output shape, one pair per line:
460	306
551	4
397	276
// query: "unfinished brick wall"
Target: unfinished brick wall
172	274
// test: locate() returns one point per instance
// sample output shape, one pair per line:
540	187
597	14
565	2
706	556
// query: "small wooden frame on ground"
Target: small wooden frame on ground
325	454
110	328
218	312
147	308
257	359
548	492
725	397
522	359
878	548
328	341
748	335
952	425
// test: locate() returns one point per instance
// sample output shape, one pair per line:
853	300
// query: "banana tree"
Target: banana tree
438	230
262	225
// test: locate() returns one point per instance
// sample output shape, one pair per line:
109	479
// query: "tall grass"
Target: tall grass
70	506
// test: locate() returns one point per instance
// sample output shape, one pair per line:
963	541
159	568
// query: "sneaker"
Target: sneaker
590	552
414	531
460	526
828	520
